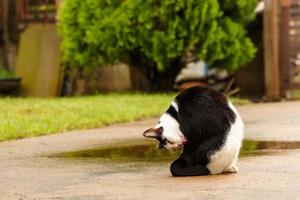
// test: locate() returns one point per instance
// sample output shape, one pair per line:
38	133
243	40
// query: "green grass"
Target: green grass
28	117
6	74
239	101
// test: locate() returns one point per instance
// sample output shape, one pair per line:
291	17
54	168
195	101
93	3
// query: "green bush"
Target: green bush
156	33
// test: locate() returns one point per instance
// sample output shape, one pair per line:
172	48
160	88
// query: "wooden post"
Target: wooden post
285	47
46	11
26	10
5	34
271	49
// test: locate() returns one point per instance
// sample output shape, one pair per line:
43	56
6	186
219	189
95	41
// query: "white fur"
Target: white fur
174	104
225	159
171	131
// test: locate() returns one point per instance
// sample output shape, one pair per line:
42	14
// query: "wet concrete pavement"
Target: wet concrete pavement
26	171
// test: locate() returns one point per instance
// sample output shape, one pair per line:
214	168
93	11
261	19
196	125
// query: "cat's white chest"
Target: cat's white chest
227	156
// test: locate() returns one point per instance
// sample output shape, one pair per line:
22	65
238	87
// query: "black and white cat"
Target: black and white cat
208	127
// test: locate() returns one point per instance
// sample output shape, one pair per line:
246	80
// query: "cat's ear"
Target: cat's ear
153	132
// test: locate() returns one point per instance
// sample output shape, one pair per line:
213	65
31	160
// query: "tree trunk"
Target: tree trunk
164	81
146	77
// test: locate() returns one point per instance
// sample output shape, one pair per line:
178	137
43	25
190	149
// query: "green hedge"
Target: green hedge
157	32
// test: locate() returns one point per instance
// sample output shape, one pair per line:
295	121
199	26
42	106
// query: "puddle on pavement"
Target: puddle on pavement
257	148
143	151
128	151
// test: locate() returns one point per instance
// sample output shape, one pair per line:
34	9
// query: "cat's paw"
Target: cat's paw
232	169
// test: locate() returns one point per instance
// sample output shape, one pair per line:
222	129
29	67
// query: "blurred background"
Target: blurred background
124	60
68	47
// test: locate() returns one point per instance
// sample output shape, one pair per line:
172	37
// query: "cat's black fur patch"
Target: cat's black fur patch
205	118
172	111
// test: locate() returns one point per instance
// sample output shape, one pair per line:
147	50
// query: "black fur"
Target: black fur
172	111
205	118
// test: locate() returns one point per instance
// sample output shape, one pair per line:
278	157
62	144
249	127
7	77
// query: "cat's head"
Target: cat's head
167	130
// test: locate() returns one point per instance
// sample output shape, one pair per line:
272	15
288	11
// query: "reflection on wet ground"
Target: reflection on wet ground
127	151
144	151
256	148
